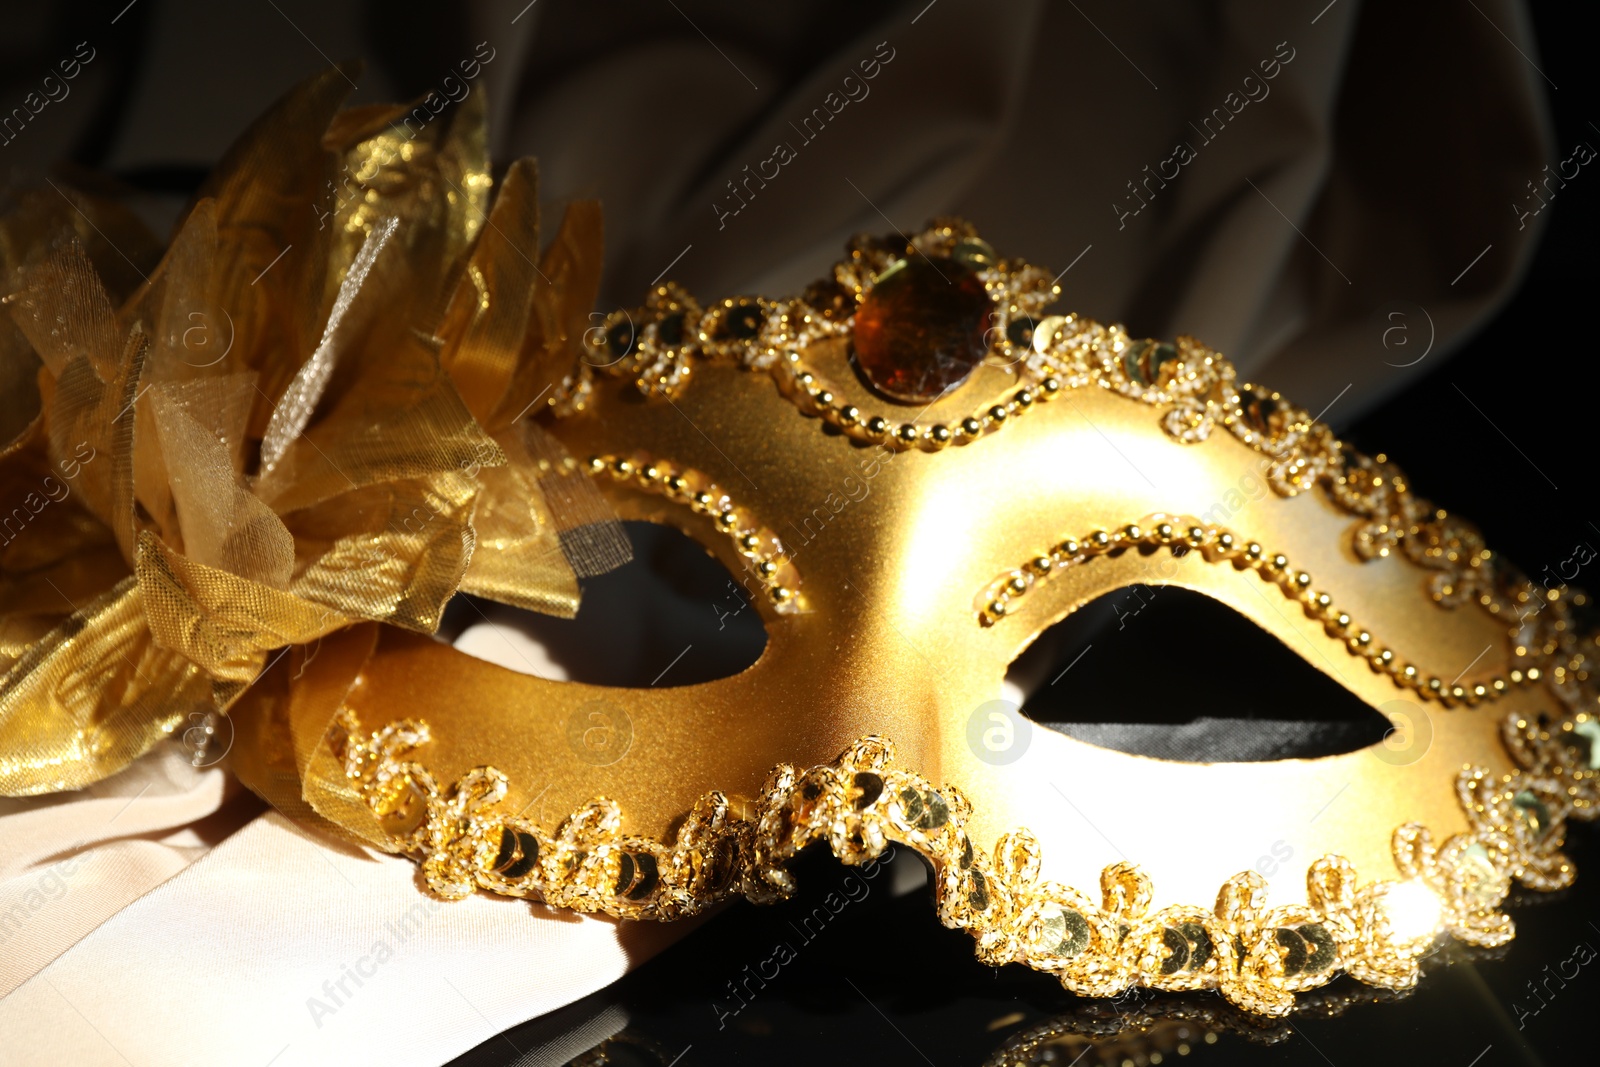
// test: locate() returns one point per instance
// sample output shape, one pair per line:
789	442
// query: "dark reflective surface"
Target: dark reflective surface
879	981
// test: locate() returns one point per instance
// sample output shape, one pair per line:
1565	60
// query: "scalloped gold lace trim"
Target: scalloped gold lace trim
1255	956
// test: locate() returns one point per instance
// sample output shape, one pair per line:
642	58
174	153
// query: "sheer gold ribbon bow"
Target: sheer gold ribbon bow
308	414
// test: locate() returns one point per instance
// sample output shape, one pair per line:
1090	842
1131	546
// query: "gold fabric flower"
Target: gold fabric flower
309	413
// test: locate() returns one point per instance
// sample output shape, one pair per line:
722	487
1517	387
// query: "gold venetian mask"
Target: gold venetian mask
919	467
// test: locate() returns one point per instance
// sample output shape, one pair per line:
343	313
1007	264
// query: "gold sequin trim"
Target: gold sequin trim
1255	955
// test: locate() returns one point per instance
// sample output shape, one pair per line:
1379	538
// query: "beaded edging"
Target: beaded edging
1256	956
1182	534
658	343
759	546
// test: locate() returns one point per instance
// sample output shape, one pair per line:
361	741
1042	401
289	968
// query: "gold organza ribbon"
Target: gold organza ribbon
308	418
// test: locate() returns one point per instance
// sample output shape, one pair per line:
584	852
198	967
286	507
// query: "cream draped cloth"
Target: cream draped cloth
279	948
1277	179
69	862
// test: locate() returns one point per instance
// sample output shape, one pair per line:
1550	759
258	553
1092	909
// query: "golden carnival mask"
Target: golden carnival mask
920	467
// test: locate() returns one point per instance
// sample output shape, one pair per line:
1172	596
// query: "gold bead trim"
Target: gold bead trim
758	545
1255	956
816	397
1197	387
658	344
1181	534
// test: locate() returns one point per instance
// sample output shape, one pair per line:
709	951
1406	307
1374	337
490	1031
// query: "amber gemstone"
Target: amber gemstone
922	328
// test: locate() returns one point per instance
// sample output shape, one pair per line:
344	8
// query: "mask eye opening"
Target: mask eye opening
1167	672
673	616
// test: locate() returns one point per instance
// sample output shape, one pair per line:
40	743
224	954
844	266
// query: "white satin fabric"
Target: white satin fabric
1378	171
279	948
69	862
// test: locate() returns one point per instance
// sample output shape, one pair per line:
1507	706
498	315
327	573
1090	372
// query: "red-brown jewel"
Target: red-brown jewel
922	329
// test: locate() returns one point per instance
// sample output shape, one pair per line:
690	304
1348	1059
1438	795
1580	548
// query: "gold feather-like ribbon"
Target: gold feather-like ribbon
308	419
